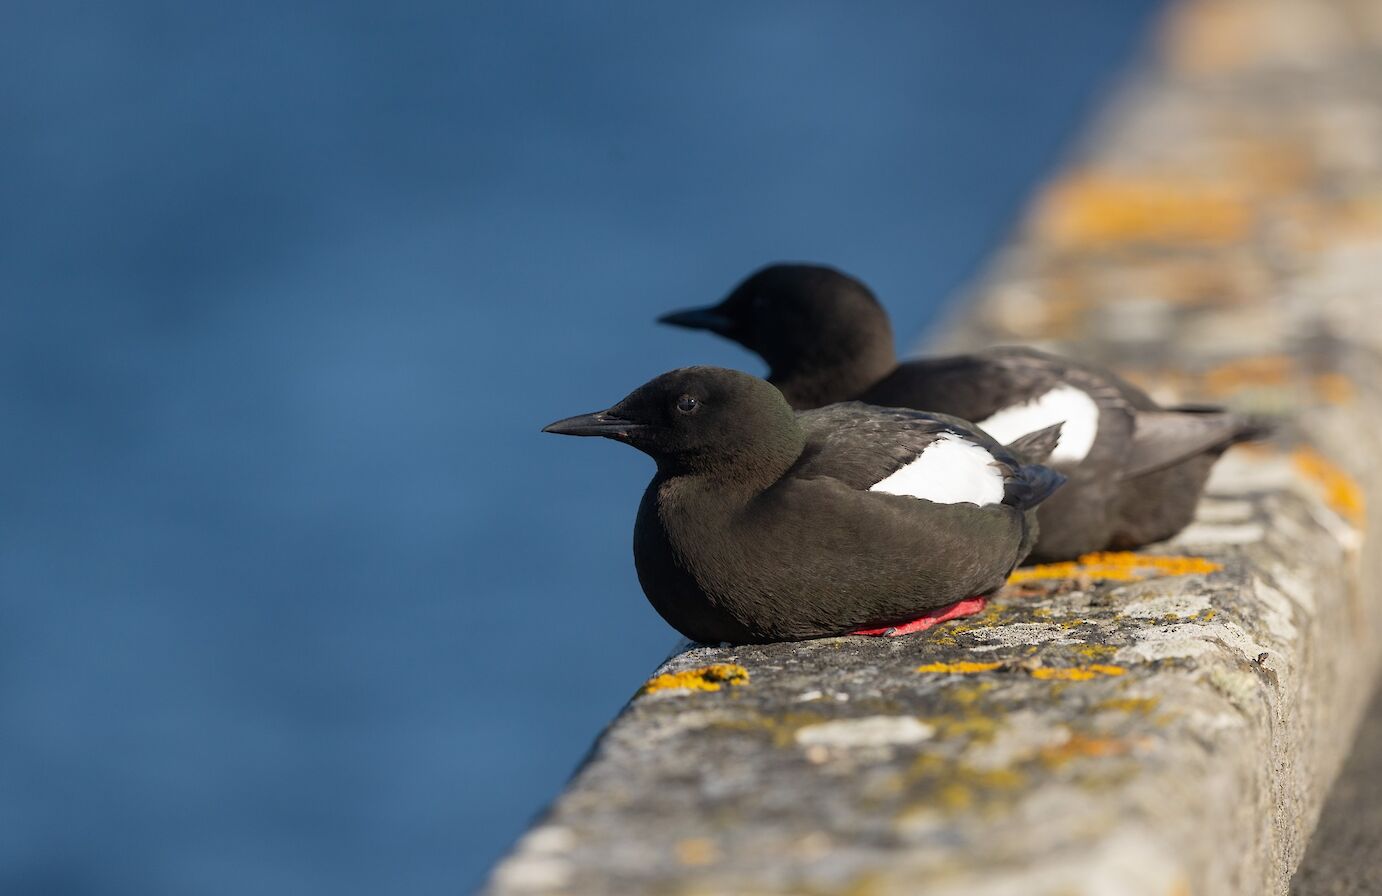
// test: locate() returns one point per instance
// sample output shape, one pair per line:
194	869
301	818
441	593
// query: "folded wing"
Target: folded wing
928	456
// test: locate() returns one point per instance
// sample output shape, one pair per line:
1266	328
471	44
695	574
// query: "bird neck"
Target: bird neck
742	470
816	382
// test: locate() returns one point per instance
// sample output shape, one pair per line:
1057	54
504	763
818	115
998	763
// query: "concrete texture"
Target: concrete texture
1158	723
1345	853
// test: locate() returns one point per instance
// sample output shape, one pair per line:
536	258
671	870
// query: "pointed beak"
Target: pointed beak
709	318
601	423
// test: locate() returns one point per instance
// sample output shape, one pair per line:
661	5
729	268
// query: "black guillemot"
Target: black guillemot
762	524
1135	469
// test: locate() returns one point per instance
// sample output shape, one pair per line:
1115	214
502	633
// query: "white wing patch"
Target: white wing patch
1064	404
951	470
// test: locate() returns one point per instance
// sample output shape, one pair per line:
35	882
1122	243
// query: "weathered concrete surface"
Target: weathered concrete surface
1345	853
1122	726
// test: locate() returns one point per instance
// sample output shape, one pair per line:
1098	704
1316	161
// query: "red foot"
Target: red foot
960	608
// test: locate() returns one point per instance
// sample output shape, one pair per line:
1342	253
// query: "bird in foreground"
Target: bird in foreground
1135	469
762	524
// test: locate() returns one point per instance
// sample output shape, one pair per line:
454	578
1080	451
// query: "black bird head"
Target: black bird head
802	319
701	420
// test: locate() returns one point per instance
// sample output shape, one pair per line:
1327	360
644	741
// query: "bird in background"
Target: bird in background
1135	469
764	524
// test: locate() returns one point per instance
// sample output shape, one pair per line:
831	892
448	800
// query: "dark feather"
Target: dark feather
1036	447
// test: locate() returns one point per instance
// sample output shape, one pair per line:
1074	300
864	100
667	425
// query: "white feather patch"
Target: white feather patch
951	470
1066	405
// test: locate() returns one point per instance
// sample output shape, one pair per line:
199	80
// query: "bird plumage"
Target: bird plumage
763	525
1135	470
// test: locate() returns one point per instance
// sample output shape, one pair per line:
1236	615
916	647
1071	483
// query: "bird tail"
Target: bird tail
1168	436
1036	447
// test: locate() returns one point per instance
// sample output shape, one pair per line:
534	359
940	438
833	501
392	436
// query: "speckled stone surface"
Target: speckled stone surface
1163	723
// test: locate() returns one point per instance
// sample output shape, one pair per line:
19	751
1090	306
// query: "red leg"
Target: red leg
960	608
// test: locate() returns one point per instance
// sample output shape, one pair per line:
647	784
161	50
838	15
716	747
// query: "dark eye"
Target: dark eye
688	405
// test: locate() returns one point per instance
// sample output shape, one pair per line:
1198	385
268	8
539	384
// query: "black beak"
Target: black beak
600	423
709	318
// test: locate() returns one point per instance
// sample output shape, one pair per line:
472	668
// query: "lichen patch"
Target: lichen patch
1102	210
959	668
703	678
1076	673
1118	566
1340	491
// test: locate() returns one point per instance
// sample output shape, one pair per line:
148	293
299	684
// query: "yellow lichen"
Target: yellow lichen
780	727
960	668
1340	490
1139	705
1118	566
955	796
704	678
968	694
973	726
1078	673
1086	210
954	786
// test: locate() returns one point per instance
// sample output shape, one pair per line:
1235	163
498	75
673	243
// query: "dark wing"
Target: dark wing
977	386
861	445
1163	438
972	387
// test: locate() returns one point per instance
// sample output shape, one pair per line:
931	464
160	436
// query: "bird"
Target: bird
762	524
1135	469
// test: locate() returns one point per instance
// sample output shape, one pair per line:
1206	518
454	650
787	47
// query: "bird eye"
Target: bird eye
688	405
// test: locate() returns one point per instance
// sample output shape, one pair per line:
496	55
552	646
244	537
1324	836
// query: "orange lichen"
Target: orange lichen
1079	673
960	668
1256	371
1099	209
704	678
1273	372
1340	490
1119	566
1333	388
1082	746
696	851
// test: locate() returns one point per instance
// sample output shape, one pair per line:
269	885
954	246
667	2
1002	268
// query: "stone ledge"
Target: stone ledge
1162	723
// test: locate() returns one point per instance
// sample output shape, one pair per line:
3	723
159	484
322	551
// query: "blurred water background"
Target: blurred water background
296	599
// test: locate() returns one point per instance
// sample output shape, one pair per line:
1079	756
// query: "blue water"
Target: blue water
295	597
